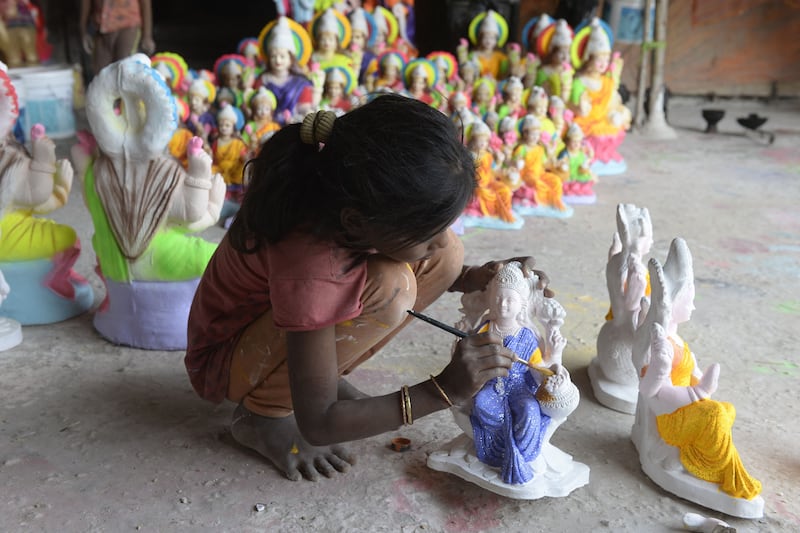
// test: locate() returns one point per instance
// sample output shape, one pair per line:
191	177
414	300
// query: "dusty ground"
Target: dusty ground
95	437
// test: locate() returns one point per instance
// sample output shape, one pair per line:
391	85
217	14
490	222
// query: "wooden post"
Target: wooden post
656	125
644	63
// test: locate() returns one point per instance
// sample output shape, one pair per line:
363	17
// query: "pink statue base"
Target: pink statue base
579	192
607	159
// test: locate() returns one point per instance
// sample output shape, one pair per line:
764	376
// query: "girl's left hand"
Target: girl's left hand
476	278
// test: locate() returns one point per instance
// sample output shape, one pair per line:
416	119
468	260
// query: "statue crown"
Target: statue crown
511	277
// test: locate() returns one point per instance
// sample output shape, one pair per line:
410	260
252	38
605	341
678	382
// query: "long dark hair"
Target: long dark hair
395	160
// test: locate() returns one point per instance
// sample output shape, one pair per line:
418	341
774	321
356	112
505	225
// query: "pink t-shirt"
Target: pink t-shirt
308	284
114	15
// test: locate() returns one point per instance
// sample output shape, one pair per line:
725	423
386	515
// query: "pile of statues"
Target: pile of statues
543	119
643	367
143	202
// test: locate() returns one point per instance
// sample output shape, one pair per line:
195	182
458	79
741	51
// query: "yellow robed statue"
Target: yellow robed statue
683	435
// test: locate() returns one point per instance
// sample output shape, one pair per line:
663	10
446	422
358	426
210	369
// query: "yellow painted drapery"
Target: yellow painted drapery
494	197
596	123
702	433
548	186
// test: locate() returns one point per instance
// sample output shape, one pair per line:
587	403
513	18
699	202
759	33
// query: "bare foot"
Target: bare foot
279	440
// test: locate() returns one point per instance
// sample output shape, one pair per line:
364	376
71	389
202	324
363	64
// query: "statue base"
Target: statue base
543	211
611	394
579	199
492	222
555	473
152	315
32	302
661	463
10	333
609	168
608	161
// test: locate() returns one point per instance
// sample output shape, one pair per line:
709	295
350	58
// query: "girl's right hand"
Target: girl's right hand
476	359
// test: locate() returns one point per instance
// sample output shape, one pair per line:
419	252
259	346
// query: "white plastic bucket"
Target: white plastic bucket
626	18
49	101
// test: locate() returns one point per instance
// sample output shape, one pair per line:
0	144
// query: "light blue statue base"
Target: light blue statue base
147	314
229	209
492	222
31	302
543	211
582	199
609	168
555	473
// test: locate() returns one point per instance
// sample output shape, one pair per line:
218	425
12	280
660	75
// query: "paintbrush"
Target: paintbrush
461	334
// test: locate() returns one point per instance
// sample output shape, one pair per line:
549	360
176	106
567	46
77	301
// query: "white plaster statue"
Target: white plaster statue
10	330
143	204
505	447
683	436
614	379
36	253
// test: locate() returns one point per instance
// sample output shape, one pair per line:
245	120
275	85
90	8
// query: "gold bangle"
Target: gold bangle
441	391
407	397
403	405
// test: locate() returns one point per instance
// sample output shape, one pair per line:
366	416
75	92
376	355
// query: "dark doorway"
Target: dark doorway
203	30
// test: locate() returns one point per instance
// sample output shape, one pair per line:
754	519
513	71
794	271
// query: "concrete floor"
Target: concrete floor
96	437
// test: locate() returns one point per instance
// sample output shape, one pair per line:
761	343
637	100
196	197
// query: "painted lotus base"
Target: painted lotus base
491	222
555	473
147	314
608	161
611	394
609	168
579	199
543	211
32	302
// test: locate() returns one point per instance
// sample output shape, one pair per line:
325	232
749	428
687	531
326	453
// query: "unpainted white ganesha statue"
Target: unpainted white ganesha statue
505	447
